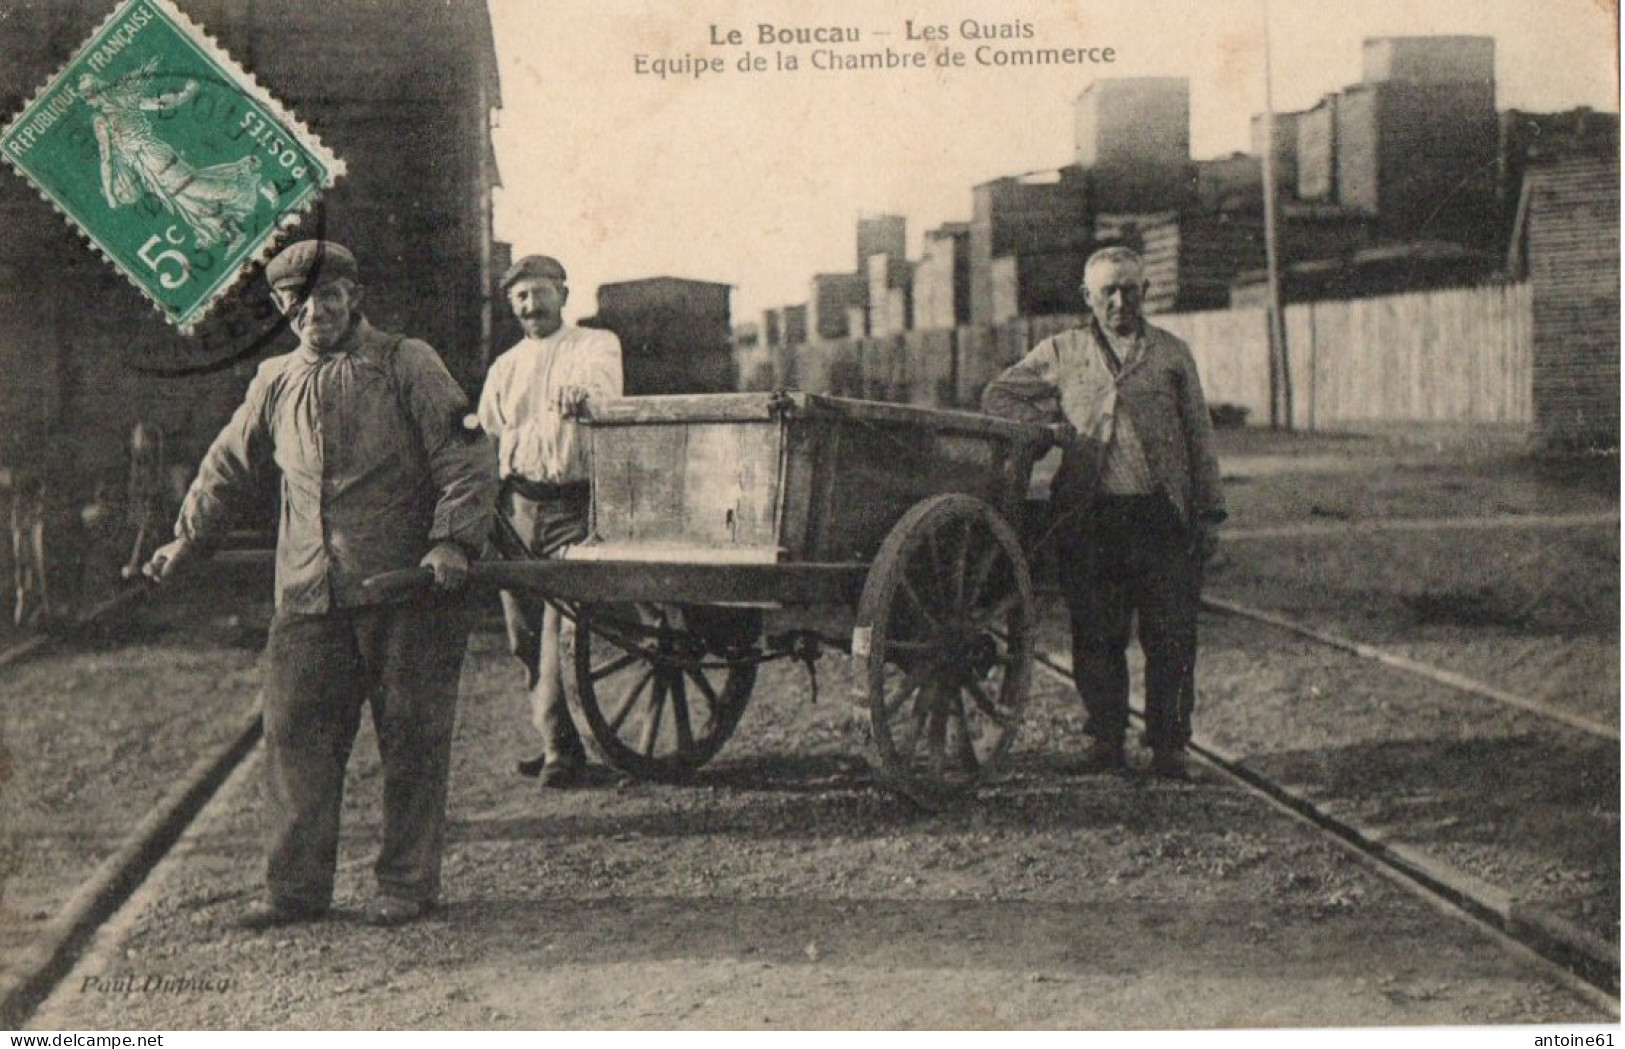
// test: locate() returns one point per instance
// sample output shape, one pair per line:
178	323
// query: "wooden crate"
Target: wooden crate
754	478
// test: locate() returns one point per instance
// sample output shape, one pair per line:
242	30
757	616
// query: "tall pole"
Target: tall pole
1280	365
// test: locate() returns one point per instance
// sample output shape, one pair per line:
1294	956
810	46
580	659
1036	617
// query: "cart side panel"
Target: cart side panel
879	469
700	484
799	477
730	483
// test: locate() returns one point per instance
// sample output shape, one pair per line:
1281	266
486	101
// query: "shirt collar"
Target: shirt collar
548	340
1128	348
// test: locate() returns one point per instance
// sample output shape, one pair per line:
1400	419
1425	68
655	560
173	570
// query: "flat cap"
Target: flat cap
533	266
298	264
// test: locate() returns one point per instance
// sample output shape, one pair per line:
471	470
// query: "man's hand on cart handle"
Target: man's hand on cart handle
449	564
168	559
399	583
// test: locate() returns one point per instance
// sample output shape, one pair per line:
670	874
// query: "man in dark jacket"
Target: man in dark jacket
377	473
1137	499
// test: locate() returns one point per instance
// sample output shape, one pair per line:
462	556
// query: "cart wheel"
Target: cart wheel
662	687
943	640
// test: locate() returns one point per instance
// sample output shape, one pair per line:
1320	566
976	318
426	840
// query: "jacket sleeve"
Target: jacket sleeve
1026	391
1207	491
461	460
238	461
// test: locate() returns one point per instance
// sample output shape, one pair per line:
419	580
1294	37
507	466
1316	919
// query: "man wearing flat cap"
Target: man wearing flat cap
363	430
533	395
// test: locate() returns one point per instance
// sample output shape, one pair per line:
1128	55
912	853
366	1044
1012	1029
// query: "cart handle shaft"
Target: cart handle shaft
402	582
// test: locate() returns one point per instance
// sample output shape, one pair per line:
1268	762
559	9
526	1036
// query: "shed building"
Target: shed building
1569	232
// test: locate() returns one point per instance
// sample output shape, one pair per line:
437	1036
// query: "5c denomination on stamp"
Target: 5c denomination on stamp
171	158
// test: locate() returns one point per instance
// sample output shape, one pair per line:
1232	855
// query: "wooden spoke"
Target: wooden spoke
619	717
651	722
966	751
957	570
922	713
984	703
698	677
679	713
936	734
985	618
979	574
713	705
907	589
613	666
912	684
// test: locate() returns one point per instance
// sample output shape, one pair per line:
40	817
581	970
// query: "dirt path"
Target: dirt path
785	891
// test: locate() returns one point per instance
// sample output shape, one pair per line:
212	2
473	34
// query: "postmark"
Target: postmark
239	328
169	157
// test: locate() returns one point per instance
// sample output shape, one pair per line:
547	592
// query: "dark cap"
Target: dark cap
298	263
533	266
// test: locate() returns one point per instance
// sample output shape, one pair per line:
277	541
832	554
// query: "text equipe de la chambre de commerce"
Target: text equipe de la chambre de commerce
915	44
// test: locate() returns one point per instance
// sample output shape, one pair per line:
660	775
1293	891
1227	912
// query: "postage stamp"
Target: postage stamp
169	157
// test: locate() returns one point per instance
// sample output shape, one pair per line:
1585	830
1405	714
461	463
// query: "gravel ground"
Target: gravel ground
96	730
784	890
1535	613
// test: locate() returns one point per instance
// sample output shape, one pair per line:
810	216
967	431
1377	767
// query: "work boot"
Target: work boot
387	911
561	773
274	915
1102	756
1170	764
565	763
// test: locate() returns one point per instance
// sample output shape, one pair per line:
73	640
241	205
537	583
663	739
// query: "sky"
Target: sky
757	178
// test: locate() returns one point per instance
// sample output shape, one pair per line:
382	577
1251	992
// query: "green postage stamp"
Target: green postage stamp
173	160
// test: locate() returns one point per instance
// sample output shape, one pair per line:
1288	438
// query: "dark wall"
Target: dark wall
676	335
400	91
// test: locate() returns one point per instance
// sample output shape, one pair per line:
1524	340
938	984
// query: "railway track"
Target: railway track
1580	960
41	946
1569	949
22	648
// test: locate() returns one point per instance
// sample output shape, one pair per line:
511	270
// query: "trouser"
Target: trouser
1126	556
403	660
547	520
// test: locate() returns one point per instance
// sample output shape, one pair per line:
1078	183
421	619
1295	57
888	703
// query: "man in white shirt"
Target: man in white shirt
533	395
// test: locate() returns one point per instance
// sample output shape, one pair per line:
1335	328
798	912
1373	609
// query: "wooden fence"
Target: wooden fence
1459	356
1456	356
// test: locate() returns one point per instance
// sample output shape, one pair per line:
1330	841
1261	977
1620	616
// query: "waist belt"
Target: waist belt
539	491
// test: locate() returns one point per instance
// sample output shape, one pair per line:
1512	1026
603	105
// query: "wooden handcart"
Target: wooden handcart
892	522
